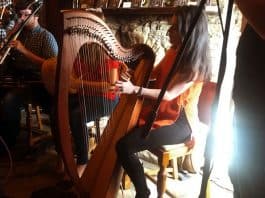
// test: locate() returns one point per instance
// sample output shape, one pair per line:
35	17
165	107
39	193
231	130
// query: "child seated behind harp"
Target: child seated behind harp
94	75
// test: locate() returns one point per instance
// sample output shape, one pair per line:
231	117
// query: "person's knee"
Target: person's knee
12	100
121	147
118	146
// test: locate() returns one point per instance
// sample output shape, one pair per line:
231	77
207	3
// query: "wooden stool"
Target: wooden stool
39	133
171	153
95	129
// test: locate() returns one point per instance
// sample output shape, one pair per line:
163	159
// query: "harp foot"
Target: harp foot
59	167
81	169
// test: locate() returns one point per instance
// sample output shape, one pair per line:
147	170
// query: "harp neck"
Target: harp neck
86	27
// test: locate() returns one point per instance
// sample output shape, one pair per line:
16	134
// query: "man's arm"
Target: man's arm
50	49
254	11
31	56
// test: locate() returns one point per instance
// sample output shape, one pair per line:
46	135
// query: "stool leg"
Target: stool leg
29	124
38	116
175	168
97	122
32	140
161	177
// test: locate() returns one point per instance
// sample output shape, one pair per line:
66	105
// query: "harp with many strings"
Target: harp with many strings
102	175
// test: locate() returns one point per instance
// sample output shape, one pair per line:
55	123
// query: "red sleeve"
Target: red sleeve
112	64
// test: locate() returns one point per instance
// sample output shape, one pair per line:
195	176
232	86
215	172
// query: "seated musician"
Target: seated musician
32	47
7	21
177	116
93	79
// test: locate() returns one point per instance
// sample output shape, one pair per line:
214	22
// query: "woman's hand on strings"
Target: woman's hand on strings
74	84
125	76
113	88
125	86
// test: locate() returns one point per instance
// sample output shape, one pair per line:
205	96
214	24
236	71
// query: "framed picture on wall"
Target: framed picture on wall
174	3
101	3
136	3
87	3
113	3
145	3
156	3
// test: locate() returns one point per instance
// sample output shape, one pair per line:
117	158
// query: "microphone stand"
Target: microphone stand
210	141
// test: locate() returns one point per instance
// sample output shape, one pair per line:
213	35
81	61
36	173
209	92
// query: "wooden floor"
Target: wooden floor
36	171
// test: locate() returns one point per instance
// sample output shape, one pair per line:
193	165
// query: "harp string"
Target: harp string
97	64
79	28
81	100
101	64
93	72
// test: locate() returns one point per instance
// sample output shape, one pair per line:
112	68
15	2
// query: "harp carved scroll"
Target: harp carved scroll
101	177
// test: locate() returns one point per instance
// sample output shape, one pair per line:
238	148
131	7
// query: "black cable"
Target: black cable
220	16
10	161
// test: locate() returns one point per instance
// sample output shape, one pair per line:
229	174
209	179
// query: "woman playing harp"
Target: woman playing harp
177	116
83	30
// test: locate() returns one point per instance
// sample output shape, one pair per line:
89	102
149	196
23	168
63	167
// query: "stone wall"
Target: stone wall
151	30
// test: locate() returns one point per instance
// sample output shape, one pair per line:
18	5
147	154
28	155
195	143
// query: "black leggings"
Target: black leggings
133	142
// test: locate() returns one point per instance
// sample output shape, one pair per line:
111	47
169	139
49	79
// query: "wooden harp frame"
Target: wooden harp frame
103	173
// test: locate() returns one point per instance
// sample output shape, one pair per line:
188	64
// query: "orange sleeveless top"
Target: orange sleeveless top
169	111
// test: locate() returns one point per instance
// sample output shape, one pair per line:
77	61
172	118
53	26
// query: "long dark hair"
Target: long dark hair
93	55
195	59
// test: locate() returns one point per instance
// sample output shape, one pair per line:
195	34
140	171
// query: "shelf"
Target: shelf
139	11
163	11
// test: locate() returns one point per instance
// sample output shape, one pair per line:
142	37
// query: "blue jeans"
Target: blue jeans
82	112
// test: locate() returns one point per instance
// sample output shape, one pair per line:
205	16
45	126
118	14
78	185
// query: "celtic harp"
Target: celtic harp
101	177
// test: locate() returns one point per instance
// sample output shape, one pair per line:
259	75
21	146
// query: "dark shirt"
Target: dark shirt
249	80
40	42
